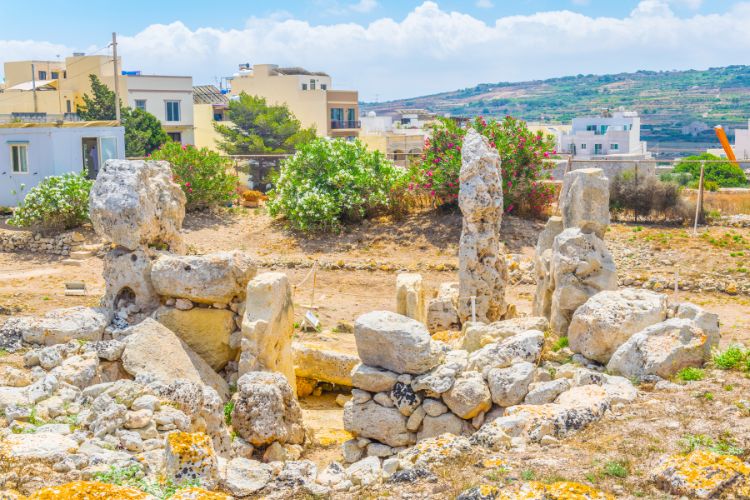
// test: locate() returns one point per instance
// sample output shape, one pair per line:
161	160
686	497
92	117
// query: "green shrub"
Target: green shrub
332	181
59	202
648	197
203	175
560	343
616	469
722	172
228	409
730	358
690	374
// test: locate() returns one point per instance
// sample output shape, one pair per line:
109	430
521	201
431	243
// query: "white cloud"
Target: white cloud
484	4
364	6
433	50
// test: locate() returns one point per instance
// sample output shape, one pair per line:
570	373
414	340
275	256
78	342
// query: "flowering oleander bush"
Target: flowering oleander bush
331	181
525	162
59	202
204	175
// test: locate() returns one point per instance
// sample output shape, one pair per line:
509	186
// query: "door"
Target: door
90	156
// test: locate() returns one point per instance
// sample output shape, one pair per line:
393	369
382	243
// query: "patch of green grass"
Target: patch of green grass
497	474
616	469
560	343
729	387
730	358
133	476
708	396
528	475
724	445
3	352
637	229
690	374
228	409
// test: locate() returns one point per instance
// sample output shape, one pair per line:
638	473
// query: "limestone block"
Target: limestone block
58	326
189	457
477	335
323	365
127	275
410	296
584	200
373	421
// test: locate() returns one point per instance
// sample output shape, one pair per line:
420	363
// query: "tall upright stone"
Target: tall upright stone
542	260
410	301
584	201
482	269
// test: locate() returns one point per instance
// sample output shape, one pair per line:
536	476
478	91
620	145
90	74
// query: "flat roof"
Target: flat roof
98	123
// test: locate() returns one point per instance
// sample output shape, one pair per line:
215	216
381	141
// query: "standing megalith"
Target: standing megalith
482	269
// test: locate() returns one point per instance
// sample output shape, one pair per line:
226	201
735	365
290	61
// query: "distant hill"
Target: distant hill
674	105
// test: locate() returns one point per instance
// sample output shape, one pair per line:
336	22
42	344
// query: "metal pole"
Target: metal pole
699	201
117	78
33	86
637	195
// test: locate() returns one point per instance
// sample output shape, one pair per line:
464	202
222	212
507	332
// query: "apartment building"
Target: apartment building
209	106
400	136
57	88
611	133
309	95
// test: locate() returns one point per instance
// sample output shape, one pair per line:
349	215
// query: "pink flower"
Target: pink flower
436	160
432	193
187	184
546	155
429	173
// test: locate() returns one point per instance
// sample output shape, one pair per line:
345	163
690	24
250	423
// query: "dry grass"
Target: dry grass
730	202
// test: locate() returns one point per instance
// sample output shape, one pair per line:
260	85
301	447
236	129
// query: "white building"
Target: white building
168	98
29	152
610	134
742	143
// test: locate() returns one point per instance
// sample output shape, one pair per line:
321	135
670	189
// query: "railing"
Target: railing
38	118
345	124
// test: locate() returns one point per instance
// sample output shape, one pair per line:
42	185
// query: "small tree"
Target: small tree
58	202
259	128
100	105
202	174
143	131
717	170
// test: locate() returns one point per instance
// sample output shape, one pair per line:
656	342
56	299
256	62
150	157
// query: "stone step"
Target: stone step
71	262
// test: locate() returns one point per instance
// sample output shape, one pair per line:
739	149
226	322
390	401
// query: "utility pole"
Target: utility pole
117	78
33	86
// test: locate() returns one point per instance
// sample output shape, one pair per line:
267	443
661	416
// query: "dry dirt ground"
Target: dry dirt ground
357	272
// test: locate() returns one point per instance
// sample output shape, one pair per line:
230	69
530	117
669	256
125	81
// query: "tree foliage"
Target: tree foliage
58	202
143	131
260	128
331	181
717	170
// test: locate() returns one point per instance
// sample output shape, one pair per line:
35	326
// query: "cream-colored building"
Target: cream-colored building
401	140
57	88
309	95
209	106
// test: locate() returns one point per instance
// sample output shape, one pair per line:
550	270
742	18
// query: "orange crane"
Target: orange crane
725	144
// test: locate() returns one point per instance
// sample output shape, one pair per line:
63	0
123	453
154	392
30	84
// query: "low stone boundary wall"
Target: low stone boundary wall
27	241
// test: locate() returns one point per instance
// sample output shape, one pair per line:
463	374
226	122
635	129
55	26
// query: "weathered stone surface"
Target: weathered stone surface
57	326
546	392
127	278
542	260
365	471
374	421
410	299
469	395
151	348
324	365
40	446
447	423
581	267
92	489
405	399
477	335
266	410
441	311
205	330
584	200
216	277
702	474
79	371
373	379
482	269
245	477
662	349
706	321
136	203
609	318
510	385
191	457
441	378
394	342
268	327
526	347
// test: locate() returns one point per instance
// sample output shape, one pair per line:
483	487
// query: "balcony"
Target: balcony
345	124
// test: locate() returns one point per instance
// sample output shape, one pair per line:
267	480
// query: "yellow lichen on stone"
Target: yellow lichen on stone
701	473
494	463
305	386
195	493
564	490
331	437
447	336
89	490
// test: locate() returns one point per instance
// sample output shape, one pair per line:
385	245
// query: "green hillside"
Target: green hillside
666	100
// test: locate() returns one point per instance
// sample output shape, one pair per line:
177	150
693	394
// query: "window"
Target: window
173	111
583	146
218	117
42	75
337	114
65	73
323	86
614	147
312	84
68	106
108	148
304	86
141	104
55	75
175	136
19	158
350	116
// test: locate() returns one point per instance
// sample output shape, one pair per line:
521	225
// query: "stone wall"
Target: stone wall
28	241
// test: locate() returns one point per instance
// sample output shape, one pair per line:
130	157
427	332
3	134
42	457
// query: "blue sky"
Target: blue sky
389	48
